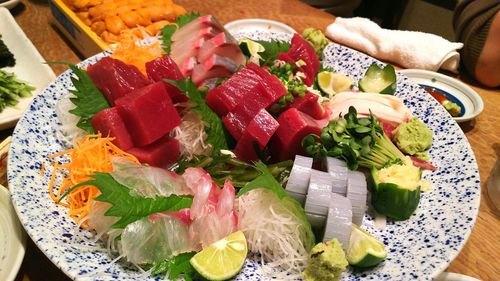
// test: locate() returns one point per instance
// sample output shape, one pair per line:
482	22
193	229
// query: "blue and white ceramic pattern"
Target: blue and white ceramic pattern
418	249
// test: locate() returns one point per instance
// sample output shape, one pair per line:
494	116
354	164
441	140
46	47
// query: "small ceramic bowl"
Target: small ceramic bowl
469	100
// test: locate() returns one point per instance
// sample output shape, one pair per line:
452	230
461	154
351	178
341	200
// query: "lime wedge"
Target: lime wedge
223	259
251	49
364	249
331	83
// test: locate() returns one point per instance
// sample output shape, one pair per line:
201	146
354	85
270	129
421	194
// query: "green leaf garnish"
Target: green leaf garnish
271	50
175	266
265	180
169	30
216	136
130	208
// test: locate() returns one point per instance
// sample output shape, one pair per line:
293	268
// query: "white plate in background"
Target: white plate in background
12	238
30	66
251	25
471	101
9	4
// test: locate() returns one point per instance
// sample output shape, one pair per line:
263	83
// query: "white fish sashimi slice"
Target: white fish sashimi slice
298	181
211	228
223	44
147	181
144	241
225	205
194	27
363	107
200	183
205	33
339	220
214	67
98	221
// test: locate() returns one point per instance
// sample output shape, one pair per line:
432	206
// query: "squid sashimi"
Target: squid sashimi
385	107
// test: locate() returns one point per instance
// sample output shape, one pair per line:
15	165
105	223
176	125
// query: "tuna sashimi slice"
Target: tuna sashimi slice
148	113
309	104
214	67
161	153
222	44
195	26
270	82
108	122
116	79
165	68
258	132
301	49
237	121
294	126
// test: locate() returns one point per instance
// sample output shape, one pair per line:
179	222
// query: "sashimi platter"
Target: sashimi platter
205	155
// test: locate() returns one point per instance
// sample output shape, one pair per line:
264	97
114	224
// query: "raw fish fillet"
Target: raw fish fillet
222	44
109	123
161	153
214	66
191	51
165	68
195	26
205	33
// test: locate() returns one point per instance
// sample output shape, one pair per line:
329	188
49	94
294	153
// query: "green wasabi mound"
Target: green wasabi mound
413	137
317	39
326	261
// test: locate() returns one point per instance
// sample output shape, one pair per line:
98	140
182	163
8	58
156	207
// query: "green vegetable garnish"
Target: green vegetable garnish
11	89
379	80
176	266
216	136
169	30
271	50
127	207
358	141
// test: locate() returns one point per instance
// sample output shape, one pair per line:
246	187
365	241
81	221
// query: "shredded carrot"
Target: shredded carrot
130	52
92	154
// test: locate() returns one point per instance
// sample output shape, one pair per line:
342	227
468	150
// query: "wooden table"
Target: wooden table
479	258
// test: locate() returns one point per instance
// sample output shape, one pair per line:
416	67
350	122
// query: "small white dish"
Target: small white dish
30	66
450	276
12	238
470	101
9	4
251	25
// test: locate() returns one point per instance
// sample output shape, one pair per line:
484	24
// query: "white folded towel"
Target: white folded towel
409	49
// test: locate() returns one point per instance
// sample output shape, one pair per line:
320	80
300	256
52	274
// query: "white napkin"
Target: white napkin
409	49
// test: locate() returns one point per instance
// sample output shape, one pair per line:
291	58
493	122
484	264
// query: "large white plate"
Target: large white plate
12	238
29	67
418	249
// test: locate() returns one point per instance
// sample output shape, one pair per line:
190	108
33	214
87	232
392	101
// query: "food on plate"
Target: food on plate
412	137
190	157
317	39
326	261
222	259
379	80
396	189
331	83
114	20
364	249
12	89
6	57
452	108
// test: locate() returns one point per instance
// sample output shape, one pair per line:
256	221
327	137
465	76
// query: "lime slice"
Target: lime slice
223	259
251	49
332	83
364	249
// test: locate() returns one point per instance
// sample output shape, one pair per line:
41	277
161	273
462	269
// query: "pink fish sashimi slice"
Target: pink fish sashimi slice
214	67
183	215
187	66
205	33
223	44
189	52
195	26
115	79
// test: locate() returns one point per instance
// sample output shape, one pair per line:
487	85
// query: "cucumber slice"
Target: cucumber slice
379	80
251	49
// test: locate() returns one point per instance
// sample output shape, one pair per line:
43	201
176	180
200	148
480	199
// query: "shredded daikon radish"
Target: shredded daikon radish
275	231
191	136
68	132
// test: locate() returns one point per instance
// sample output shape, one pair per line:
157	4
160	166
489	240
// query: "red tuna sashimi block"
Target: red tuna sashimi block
108	122
237	121
165	68
271	82
222	44
300	49
148	113
294	126
116	79
161	153
286	58
309	104
259	131
244	87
